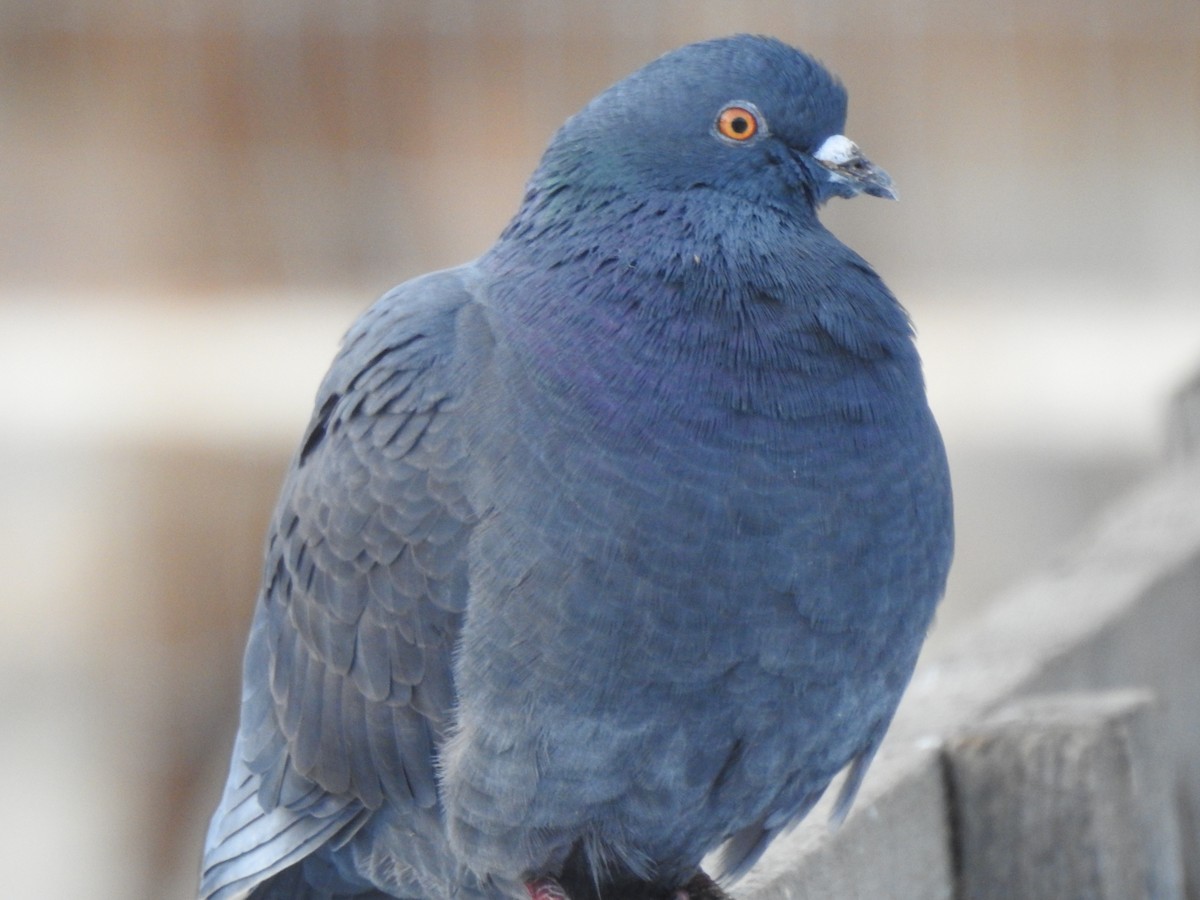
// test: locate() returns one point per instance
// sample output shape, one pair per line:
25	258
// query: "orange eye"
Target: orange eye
737	123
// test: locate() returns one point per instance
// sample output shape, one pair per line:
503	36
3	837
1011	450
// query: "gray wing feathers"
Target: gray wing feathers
736	856
348	684
246	845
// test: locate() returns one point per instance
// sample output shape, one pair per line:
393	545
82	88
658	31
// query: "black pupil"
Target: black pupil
740	125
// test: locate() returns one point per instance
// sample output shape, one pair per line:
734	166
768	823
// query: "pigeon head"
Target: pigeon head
749	117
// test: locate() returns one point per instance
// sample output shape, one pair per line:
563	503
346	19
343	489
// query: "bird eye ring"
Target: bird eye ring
738	122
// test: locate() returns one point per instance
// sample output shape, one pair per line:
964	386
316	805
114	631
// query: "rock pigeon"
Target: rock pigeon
609	549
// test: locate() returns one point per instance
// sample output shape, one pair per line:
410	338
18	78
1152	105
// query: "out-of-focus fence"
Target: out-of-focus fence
329	141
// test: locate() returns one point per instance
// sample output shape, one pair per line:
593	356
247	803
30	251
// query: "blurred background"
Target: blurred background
196	198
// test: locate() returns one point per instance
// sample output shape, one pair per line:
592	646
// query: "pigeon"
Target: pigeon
602	554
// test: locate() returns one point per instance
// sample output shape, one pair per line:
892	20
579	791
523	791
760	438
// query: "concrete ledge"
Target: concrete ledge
1121	610
1065	796
1183	427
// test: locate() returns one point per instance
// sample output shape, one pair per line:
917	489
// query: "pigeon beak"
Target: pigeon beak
851	171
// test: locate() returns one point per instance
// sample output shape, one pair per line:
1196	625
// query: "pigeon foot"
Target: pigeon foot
546	889
700	887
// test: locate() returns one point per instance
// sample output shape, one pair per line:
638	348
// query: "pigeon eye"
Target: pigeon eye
737	122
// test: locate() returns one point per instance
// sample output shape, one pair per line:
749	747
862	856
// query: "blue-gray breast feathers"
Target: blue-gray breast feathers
612	547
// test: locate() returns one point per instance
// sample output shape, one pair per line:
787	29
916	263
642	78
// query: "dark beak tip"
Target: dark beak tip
884	191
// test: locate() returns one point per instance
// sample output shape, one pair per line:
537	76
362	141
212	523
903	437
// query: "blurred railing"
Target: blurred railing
334	141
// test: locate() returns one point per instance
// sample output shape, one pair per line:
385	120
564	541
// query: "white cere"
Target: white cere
837	150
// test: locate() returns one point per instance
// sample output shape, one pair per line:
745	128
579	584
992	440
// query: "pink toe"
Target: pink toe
546	889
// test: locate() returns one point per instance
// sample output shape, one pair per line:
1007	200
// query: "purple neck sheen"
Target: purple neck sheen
689	311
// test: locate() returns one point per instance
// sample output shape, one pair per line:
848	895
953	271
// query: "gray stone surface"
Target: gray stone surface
1065	796
1183	423
895	844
